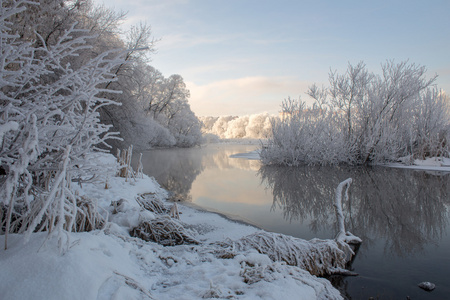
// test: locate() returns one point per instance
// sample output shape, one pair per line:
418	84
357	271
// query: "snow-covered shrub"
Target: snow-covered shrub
163	230
155	224
49	122
151	203
318	257
363	118
304	136
87	217
431	115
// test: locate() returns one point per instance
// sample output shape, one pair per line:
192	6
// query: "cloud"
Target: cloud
241	96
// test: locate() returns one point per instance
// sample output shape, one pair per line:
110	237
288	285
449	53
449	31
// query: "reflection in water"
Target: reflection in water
173	171
406	208
398	213
177	169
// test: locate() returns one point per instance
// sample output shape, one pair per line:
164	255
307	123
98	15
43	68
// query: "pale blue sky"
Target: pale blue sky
242	57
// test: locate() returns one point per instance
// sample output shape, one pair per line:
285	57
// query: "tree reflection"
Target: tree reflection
407	209
174	169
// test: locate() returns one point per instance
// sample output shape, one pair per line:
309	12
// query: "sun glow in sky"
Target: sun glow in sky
241	57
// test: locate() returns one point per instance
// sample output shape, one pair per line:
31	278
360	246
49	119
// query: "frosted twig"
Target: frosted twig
134	284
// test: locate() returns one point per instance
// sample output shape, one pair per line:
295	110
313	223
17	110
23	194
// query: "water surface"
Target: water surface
401	215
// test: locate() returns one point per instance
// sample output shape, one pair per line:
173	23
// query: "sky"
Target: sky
240	57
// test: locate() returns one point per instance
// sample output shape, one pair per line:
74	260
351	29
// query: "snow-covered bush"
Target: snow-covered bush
302	134
363	118
318	257
49	122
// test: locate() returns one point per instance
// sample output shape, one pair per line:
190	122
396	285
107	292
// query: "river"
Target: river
401	215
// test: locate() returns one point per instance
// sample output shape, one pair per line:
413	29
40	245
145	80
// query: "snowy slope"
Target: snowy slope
109	264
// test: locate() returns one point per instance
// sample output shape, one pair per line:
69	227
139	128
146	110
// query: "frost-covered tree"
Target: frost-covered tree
364	118
257	126
155	111
236	128
142	85
208	123
304	134
431	119
49	122
221	125
183	124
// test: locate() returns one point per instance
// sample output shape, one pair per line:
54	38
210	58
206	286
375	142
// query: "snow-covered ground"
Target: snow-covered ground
109	264
253	155
428	164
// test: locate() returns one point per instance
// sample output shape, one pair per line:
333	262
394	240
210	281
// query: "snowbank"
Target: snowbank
441	164
253	155
429	164
109	264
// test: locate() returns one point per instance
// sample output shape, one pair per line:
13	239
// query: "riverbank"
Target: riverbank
439	164
402	214
110	264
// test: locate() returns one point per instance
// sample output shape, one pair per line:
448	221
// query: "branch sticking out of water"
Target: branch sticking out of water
342	235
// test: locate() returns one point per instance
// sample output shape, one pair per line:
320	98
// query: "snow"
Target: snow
110	264
429	164
253	155
427	286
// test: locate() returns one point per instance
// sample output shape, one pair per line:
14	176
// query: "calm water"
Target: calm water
401	215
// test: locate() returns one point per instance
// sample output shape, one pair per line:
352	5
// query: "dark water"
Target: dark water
401	215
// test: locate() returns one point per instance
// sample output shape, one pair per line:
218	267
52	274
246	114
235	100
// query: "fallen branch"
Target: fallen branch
343	236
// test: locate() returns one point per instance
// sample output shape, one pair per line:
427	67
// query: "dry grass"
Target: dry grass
149	202
87	217
163	230
318	257
124	160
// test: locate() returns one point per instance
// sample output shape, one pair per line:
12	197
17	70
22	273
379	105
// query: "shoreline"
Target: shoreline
234	218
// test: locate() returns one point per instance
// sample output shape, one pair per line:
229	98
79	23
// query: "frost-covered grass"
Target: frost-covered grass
110	264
